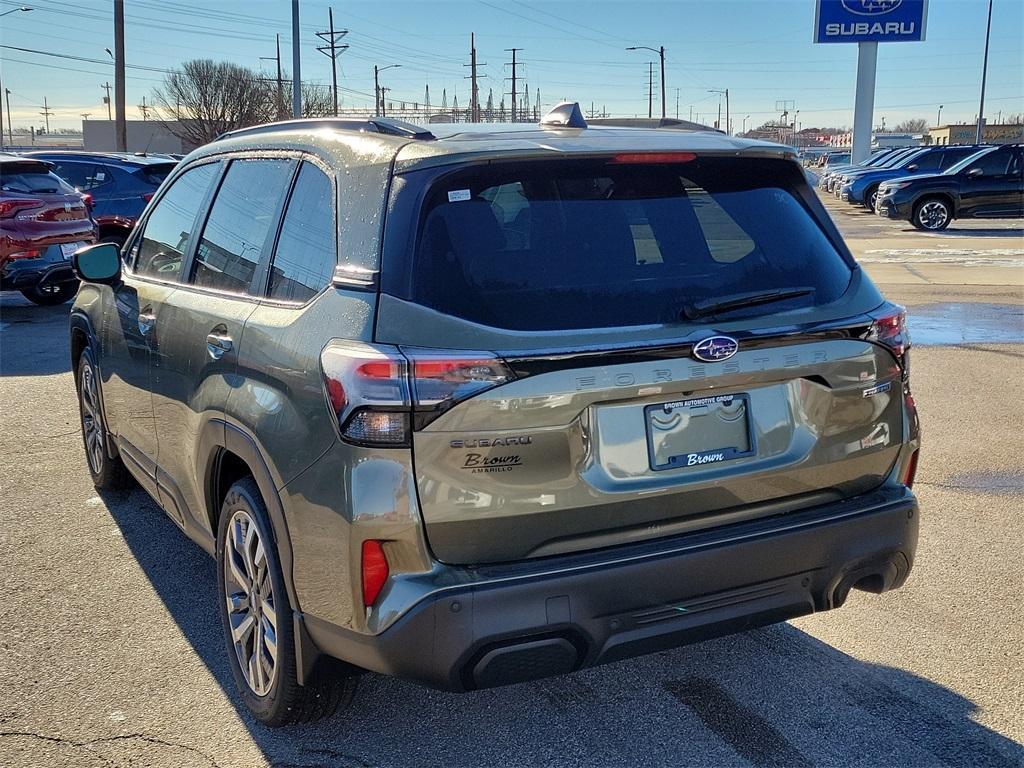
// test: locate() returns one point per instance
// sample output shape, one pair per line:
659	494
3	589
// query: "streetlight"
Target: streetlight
938	117
661	53
724	91
15	10
378	107
10	128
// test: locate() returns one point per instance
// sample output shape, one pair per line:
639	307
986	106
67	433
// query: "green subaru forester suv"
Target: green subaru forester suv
487	403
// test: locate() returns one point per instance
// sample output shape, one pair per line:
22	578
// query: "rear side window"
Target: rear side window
306	248
83	176
930	161
994	163
240	219
155	174
598	243
953	156
168	227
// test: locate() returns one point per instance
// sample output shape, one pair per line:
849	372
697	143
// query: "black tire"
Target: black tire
284	700
933	214
51	295
108	472
870	195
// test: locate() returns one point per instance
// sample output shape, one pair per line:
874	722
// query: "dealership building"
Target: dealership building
966	134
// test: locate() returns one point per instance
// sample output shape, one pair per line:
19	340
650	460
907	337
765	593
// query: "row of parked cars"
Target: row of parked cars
932	186
52	203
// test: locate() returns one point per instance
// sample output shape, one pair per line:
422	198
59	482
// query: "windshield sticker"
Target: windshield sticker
458	195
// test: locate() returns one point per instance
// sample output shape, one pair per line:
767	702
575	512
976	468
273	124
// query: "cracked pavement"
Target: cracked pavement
111	653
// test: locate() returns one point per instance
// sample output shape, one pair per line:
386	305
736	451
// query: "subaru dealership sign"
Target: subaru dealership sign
870	21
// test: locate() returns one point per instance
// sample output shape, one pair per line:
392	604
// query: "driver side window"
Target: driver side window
164	242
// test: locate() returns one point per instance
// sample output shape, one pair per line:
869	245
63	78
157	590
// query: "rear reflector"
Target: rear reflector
645	158
33	254
375	570
910	471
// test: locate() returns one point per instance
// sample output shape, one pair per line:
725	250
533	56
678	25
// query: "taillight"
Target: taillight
30	254
375	570
890	330
379	393
12	205
367	388
910	471
90	204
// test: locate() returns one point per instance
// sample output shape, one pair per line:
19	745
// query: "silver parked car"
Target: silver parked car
490	403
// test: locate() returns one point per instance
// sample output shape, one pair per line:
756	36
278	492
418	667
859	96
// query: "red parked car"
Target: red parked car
43	220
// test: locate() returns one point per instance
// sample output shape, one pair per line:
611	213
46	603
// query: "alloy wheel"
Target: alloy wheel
252	609
933	215
92	419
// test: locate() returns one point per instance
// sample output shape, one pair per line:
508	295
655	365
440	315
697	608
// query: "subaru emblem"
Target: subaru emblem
714	349
871	7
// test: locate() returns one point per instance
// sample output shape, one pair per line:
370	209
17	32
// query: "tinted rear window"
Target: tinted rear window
32	177
594	244
156	173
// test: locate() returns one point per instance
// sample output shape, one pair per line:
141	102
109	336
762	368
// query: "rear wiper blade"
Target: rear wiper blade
742	301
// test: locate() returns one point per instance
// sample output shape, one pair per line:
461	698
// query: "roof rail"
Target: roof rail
384	125
566	114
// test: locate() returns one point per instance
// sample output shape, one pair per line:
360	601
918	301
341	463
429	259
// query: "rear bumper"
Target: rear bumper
551	616
49	269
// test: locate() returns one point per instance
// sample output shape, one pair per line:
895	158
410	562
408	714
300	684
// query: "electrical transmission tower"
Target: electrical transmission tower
332	48
514	64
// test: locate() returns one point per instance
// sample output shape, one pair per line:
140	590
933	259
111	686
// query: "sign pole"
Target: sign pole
864	101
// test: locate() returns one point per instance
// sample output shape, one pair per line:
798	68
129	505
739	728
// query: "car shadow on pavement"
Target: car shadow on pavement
769	697
31	344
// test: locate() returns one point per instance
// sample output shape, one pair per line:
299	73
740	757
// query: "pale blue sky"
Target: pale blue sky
760	49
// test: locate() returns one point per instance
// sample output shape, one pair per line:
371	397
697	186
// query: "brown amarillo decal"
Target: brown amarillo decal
478	463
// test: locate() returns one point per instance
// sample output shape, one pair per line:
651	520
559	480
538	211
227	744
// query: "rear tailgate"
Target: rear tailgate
584	457
625	439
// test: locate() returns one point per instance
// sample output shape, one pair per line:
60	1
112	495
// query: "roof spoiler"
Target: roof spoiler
566	114
383	125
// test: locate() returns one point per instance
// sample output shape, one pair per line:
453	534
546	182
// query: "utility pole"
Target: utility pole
984	76
106	99
677	103
144	108
2	89
121	127
46	115
332	50
650	89
474	96
296	63
513	63
280	82
378	91
10	126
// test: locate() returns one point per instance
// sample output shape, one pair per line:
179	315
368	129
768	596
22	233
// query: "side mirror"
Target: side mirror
975	173
99	263
912	167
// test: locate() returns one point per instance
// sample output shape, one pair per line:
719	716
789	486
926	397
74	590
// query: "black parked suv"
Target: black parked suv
986	185
120	185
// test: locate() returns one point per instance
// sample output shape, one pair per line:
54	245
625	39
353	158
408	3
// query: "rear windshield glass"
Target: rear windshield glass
32	178
601	243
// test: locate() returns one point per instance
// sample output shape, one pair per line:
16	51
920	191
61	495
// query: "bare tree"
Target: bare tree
204	98
317	100
914	125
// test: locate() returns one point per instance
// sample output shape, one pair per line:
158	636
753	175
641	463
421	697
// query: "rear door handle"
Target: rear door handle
146	319
217	344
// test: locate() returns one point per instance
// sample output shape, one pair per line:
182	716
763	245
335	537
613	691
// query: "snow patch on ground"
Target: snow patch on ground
969	257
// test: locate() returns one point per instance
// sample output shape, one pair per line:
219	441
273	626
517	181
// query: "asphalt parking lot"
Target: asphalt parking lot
111	653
